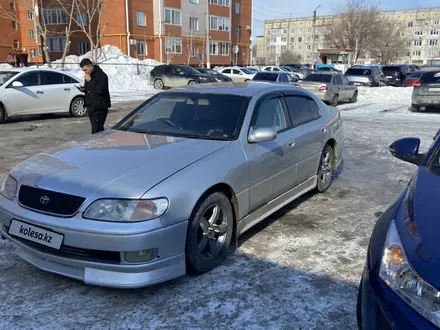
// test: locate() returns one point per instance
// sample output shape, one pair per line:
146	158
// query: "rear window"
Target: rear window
431	77
325	78
358	72
391	68
417	74
263	76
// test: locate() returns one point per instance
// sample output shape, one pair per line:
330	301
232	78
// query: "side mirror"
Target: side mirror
262	135
17	84
407	149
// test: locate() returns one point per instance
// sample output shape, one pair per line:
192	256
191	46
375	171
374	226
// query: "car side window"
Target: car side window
226	71
235	71
178	71
314	109
283	77
300	110
338	80
167	70
29	79
276	69
69	80
267	69
52	78
345	80
270	114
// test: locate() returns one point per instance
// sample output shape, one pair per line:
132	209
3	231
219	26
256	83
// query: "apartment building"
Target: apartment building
174	31
421	27
10	36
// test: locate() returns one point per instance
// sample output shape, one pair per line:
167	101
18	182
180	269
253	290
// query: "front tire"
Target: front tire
191	82
209	233
2	114
77	108
158	84
326	169
354	97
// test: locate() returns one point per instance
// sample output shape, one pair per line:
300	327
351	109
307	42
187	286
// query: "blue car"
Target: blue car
400	283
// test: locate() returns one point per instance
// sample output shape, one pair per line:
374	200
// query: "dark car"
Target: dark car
274	76
166	76
370	76
215	74
396	74
426	92
413	79
400	284
413	67
326	69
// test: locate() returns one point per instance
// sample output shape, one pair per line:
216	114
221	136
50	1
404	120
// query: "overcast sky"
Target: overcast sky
272	9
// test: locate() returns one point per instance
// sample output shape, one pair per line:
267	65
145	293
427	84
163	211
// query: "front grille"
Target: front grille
74	252
48	201
381	320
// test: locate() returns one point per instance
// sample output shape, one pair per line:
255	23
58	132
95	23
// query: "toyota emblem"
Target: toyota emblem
44	199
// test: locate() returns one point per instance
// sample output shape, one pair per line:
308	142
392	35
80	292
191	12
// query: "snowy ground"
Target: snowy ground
299	269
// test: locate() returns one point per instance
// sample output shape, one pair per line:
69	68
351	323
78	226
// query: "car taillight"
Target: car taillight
323	88
417	83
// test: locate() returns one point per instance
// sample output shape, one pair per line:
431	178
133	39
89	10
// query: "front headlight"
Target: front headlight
9	187
397	273
124	210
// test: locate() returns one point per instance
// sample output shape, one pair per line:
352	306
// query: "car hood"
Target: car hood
420	227
112	163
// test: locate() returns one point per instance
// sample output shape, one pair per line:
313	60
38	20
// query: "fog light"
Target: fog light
140	256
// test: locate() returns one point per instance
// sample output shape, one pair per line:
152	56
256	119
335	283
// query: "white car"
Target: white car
31	91
297	75
238	74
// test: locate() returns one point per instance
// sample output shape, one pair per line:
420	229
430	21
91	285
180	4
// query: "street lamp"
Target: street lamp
314	36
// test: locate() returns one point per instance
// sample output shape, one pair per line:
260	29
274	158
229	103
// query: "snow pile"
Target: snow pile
386	94
126	74
5	66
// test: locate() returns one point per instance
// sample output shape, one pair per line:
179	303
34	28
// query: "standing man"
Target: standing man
97	96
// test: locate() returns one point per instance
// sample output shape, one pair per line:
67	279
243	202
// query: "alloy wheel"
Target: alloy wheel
326	167
78	107
211	233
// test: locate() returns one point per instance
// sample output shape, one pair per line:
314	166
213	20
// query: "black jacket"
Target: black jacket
96	91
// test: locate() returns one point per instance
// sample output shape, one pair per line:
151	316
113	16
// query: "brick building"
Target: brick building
174	31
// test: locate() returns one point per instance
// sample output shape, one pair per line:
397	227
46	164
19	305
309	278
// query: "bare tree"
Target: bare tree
34	8
288	57
69	6
355	26
87	16
390	42
191	48
172	47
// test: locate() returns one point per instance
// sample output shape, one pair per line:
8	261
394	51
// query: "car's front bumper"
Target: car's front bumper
98	257
382	309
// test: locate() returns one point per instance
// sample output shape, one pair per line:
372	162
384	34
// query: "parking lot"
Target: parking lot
298	269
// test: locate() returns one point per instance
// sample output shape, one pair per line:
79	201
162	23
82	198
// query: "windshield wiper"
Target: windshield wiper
136	130
206	137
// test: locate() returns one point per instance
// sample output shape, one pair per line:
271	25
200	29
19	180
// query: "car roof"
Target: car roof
271	72
30	69
243	89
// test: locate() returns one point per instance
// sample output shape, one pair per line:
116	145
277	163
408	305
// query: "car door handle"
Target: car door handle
291	144
67	89
40	92
324	129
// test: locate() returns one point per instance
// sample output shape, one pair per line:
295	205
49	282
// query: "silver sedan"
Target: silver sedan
170	188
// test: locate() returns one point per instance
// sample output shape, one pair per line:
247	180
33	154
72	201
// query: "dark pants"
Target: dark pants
97	119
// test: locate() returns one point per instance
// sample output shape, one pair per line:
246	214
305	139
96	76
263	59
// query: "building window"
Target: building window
417	53
16	44
283	48
223	49
14	25
56	44
172	16
83	47
292	30
300	39
30	15
141	48
434	32
213	48
225	3
219	23
81	19
173	46
140	19
273	31
11	5
33	53
418	33
31	34
284	39
194	24
39	50
273	40
193	1
435	21
237	8
54	16
194	50
410	24
418	43
420	22
433	42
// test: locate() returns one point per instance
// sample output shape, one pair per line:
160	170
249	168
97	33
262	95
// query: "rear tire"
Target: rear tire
326	169
335	100
3	116
415	108
209	233
158	84
77	108
354	97
191	82
247	80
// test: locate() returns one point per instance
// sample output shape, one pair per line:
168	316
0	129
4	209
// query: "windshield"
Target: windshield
247	71
263	76
5	76
189	69
325	78
191	115
358	72
391	68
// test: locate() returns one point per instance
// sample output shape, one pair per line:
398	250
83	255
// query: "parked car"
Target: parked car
114	209
330	87
399	288
238	74
426	92
326	69
168	75
273	76
430	67
396	74
29	91
295	73
412	79
274	68
215	74
370	76
253	69
301	67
